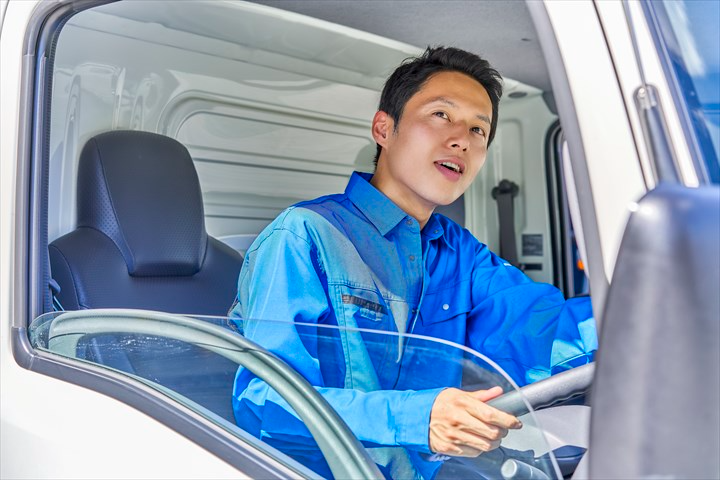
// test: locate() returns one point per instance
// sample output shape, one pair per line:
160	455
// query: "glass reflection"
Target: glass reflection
199	373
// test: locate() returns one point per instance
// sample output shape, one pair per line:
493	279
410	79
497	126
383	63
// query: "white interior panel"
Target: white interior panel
270	119
517	154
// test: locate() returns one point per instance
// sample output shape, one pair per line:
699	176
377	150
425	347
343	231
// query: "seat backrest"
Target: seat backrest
140	242
656	389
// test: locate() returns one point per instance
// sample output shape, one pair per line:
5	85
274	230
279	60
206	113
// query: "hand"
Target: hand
463	425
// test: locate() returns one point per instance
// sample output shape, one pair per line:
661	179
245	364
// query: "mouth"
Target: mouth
452	166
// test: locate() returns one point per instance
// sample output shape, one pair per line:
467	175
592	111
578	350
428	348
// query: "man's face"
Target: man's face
438	147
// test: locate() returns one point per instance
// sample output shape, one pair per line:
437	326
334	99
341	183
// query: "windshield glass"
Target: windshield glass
688	31
205	364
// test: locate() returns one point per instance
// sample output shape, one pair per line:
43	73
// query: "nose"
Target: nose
459	138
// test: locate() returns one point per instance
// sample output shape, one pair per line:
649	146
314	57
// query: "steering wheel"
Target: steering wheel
546	393
345	455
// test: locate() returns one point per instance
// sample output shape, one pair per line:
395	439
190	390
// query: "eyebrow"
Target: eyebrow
449	102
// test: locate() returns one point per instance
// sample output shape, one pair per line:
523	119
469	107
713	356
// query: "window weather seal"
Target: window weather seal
556	200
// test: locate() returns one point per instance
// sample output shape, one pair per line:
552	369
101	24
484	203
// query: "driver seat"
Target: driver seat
141	243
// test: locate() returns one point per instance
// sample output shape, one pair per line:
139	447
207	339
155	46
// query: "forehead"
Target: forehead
458	88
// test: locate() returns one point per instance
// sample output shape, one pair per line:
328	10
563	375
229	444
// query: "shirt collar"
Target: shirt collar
378	208
433	230
382	212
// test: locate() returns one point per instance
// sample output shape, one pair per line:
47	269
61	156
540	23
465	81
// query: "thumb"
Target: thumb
485	395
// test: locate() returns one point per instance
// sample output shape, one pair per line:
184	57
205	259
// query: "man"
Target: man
377	257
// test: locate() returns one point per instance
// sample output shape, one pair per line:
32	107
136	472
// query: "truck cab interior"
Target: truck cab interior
166	137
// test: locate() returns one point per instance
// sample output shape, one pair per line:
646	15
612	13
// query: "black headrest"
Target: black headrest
142	191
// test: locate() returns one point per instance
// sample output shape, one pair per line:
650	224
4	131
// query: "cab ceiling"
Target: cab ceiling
500	31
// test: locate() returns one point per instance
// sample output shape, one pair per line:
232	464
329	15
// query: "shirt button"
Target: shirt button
408	222
436	231
412	258
446	306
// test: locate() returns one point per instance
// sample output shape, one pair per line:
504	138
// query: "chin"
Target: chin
446	200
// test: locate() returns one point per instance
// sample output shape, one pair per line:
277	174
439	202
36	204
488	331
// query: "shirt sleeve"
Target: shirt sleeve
281	287
528	328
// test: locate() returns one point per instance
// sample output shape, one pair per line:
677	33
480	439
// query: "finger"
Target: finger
471	445
486	413
464	423
456	449
469	452
461	451
486	395
473	425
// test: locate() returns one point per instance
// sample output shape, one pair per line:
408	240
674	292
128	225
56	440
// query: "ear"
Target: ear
382	127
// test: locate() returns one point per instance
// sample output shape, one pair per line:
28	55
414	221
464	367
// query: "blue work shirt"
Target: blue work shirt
357	260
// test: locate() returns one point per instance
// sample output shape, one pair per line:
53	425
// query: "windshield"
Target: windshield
205	364
687	31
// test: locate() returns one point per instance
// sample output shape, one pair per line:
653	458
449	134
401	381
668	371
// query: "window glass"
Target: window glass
195	365
689	32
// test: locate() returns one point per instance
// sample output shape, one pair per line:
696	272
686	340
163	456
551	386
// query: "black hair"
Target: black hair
413	73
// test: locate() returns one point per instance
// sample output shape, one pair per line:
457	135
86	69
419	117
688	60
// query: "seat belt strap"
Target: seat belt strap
54	290
504	193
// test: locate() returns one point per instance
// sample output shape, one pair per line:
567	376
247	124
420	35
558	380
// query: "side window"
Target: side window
686	32
299	426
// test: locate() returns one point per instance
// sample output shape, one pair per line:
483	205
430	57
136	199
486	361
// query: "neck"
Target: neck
403	199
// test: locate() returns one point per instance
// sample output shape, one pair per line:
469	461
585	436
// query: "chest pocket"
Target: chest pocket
362	307
367	354
445	305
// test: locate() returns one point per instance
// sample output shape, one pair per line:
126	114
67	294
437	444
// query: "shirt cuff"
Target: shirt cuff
413	420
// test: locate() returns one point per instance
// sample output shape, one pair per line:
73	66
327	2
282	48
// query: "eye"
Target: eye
441	115
478	130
